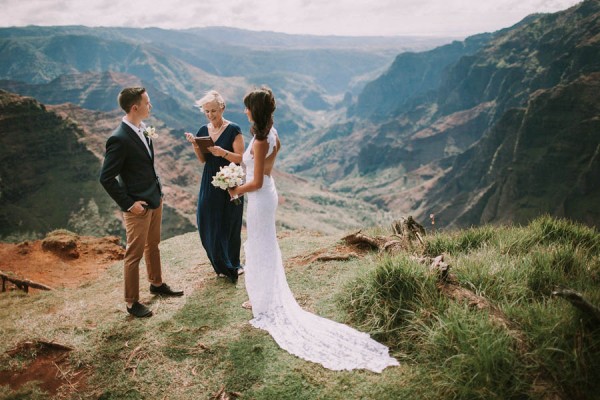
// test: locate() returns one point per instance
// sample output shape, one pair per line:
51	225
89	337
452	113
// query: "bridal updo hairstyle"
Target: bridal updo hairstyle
261	104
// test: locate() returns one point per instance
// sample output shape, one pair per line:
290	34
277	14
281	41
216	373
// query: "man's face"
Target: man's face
143	108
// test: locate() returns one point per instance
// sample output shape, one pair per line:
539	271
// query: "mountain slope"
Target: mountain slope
396	159
66	65
311	74
49	166
411	76
52	155
47	177
99	91
544	158
549	50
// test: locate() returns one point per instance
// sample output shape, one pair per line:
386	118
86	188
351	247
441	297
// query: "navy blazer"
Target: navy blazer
128	172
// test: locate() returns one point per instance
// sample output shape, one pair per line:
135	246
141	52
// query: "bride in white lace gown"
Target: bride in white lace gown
306	335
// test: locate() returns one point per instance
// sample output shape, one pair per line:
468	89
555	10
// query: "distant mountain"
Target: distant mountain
99	90
433	120
277	40
50	158
412	76
543	158
81	66
183	64
76	73
39	191
87	66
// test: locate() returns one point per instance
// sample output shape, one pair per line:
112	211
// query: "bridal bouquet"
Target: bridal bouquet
229	176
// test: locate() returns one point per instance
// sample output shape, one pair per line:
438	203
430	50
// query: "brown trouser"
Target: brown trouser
143	237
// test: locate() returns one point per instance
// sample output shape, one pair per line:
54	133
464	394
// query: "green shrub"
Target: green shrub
462	241
548	230
560	266
387	298
476	358
456	351
563	346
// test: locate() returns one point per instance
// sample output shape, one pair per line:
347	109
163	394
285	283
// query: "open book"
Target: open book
204	142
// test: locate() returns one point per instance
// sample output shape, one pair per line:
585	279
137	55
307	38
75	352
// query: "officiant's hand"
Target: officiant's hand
189	137
217	151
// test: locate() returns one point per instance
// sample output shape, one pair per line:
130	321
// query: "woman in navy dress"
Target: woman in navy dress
219	219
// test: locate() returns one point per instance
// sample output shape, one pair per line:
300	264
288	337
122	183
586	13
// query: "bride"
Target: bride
308	336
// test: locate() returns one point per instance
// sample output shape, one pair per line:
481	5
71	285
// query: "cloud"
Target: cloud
339	17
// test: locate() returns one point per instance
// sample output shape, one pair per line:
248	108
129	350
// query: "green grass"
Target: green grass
196	345
386	299
460	352
460	242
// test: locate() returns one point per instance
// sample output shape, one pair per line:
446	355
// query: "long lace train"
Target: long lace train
336	346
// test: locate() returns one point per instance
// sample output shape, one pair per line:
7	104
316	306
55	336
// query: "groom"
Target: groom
129	177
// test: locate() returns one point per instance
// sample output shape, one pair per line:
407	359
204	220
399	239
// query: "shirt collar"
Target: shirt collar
136	129
139	130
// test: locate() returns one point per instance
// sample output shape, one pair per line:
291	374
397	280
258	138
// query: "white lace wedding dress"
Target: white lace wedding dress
308	336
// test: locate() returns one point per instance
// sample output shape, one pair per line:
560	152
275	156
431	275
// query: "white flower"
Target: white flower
229	176
150	132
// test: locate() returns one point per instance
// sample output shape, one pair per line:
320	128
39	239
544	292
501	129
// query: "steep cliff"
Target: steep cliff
407	151
411	78
543	158
49	165
48	179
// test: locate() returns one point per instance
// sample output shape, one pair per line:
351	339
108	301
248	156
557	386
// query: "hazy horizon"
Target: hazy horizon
452	18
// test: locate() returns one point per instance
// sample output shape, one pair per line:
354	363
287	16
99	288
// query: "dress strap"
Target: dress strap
272	140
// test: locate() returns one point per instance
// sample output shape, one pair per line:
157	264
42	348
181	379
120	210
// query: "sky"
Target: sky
457	18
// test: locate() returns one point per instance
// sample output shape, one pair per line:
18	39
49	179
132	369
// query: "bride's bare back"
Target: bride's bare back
270	160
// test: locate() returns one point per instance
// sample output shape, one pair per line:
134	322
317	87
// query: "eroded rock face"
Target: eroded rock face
508	132
543	158
50	158
109	247
45	171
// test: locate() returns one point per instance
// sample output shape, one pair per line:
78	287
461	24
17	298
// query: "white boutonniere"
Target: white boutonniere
150	132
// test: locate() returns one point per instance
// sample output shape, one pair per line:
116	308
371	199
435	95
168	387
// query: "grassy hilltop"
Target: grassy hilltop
492	331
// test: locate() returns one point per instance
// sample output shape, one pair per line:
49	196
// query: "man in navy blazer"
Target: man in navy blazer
129	177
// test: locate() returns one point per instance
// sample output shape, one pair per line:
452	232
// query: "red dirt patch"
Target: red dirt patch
49	367
62	259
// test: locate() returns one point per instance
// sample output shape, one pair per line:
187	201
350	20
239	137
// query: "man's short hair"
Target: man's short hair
129	97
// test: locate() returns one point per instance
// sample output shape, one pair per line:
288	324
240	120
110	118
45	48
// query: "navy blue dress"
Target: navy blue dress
219	219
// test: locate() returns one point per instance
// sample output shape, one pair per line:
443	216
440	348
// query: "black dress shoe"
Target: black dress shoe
165	290
139	310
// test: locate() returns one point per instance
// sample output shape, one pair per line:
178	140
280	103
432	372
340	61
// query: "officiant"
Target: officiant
219	220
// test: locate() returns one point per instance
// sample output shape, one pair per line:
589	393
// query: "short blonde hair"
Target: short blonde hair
209	97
